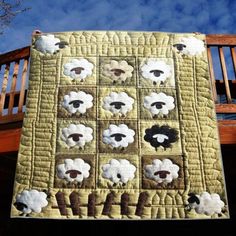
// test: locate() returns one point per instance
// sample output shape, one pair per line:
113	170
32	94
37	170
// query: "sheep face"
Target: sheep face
206	203
117	71
77	135
118	103
159	104
161	136
78	69
73	170
77	102
155	70
49	44
119	171
162	171
31	201
118	136
190	46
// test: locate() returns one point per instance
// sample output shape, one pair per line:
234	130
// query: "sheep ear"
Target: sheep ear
197	200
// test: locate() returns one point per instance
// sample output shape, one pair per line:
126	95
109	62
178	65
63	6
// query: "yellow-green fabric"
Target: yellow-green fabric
196	152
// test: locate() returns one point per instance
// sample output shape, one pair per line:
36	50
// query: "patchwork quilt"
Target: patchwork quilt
119	125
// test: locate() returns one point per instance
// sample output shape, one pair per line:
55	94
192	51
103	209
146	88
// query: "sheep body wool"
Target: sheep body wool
119	125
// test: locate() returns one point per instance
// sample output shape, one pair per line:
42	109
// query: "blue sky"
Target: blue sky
206	16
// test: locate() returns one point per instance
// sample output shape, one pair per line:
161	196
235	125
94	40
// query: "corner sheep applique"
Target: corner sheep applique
31	201
189	46
49	44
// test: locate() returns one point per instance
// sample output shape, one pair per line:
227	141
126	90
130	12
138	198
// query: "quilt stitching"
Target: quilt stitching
126	132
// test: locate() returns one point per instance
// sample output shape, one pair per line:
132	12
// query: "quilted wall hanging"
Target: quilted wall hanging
119	125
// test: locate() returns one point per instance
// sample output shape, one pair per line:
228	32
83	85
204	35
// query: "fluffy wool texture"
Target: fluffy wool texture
77	135
209	204
190	46
47	44
73	170
31	201
118	136
159	103
119	171
156	70
118	103
77	102
162	171
78	69
161	136
117	70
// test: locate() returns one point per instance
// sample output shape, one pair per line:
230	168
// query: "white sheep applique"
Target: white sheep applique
162	171
159	104
156	70
77	135
78	69
49	44
77	102
190	46
119	171
118	136
118	103
117	71
205	203
29	201
73	170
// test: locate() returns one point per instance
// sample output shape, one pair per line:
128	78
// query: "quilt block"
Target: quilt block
119	125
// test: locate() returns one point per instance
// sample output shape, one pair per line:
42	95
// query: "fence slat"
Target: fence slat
124	204
141	203
61	203
212	74
13	87
225	76
233	55
91	204
23	82
75	203
108	204
4	87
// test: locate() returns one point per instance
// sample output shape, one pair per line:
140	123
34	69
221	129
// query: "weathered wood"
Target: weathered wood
11	118
224	72
227	131
14	55
13	87
233	55
226	108
23	82
212	75
10	140
221	39
4	87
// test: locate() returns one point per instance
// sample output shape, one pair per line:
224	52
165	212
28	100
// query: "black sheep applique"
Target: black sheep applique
161	136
